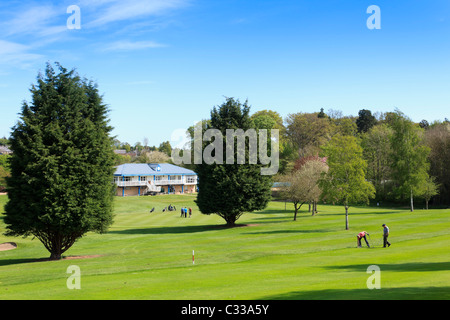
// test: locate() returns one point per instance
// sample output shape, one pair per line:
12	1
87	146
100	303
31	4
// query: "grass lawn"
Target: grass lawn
149	256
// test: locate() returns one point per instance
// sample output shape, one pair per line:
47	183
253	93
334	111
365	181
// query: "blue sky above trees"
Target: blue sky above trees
163	64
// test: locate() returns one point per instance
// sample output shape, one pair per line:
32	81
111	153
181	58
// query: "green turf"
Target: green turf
149	256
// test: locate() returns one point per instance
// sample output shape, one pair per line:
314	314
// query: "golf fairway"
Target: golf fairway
268	256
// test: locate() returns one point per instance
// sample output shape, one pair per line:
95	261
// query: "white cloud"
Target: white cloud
33	20
39	25
108	11
126	45
16	53
50	19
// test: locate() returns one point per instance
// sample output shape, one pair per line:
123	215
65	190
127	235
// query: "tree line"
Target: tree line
142	152
383	157
399	158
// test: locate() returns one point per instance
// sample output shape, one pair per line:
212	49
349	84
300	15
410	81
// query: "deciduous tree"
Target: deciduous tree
345	181
307	132
437	138
429	189
409	162
377	152
302	185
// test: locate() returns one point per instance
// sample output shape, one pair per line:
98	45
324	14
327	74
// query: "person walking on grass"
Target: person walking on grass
361	235
385	236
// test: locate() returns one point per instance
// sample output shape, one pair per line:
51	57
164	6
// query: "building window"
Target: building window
191	179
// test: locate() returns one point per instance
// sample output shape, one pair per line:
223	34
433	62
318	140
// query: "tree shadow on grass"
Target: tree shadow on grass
357	213
176	230
403	267
289	231
7	262
284	216
273	219
406	293
274	211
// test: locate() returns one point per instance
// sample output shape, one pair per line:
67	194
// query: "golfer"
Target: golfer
361	235
385	235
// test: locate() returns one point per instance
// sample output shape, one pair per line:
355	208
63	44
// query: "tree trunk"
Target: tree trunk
231	221
412	201
426	204
231	224
346	217
55	255
297	207
295	210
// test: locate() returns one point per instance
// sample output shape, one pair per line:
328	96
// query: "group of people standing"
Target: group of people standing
184	212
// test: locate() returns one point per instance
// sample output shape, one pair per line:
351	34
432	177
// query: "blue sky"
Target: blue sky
163	64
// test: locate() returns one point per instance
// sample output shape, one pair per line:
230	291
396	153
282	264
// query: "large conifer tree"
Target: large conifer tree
229	190
62	163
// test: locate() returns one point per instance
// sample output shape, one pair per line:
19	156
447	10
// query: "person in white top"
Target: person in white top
385	236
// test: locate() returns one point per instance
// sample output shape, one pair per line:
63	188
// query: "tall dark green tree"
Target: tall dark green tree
365	120
230	190
62	163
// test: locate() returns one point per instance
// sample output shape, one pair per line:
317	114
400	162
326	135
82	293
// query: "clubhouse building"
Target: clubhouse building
137	179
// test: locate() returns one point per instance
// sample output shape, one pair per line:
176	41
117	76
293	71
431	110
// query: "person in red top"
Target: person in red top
361	235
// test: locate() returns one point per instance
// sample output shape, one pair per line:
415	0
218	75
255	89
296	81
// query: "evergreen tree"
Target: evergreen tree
62	163
365	120
321	114
229	190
